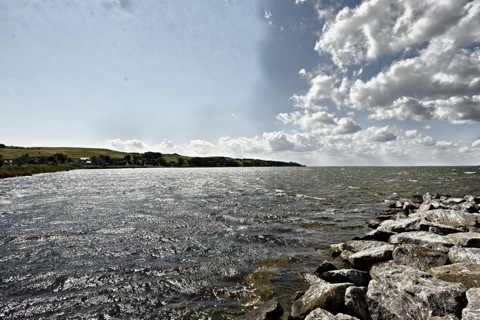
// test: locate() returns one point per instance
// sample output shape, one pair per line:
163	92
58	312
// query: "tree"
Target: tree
1	160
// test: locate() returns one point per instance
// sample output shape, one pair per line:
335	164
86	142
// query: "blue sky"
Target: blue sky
318	82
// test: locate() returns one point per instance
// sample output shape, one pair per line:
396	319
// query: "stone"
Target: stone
423	238
452	218
472	311
324	267
465	239
373	224
461	254
336	249
272	310
357	277
399	292
400	225
378	235
356	302
438	228
363	260
342	261
418	257
467	274
321	295
360	245
468	207
320	314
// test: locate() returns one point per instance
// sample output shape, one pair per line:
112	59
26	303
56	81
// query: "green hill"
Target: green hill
30	160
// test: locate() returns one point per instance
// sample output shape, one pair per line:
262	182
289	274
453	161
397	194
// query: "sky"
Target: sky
320	82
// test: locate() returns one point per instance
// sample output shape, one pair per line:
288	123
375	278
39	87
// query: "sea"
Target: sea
187	243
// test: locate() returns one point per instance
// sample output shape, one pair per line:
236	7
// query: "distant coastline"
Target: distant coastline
23	161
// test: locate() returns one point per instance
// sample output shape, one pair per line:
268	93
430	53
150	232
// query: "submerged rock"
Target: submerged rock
272	310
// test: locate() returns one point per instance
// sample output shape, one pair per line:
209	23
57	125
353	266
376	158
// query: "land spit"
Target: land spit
420	261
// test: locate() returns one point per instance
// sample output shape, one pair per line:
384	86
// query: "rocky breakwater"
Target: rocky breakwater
420	261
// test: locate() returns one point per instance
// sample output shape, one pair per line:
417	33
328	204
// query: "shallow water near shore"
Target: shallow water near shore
186	243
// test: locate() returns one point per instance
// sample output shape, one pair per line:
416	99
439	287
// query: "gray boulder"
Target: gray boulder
452	218
467	274
439	228
324	267
404	293
321	295
400	225
465	239
320	314
357	277
472	311
342	261
356	302
460	254
418	257
422	238
336	249
363	260
360	245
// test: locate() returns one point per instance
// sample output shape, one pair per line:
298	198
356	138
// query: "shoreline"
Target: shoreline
421	260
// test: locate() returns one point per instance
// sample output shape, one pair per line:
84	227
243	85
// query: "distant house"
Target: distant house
85	161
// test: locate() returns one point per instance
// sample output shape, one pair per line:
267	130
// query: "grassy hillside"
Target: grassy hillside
31	160
74	153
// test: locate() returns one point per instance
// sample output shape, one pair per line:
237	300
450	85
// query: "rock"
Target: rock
364	259
372	224
342	261
321	295
272	310
468	255
356	302
438	228
452	218
465	239
418	257
360	245
468	207
320	314
466	273
357	277
336	249
324	267
404	293
423	238
401	225
472	311
378	235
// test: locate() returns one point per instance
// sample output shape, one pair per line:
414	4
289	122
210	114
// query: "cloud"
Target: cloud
320	122
422	58
380	27
127	145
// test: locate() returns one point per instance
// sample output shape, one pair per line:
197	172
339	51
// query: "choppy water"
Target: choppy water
185	243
